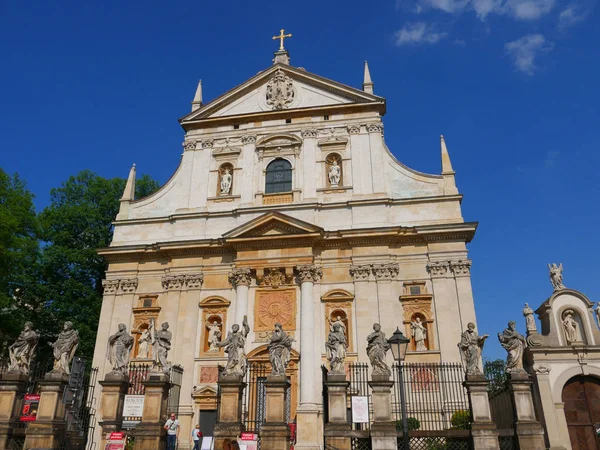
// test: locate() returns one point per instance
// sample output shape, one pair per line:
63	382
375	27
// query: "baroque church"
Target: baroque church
288	207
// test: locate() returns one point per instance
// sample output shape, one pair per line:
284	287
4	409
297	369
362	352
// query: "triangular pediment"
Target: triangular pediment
280	88
273	225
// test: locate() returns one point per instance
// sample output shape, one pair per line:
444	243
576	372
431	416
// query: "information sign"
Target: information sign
30	407
133	406
360	409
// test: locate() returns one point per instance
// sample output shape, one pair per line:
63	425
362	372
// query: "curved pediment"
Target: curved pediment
273	225
279	140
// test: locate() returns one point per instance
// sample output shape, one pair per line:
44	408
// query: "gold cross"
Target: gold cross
281	37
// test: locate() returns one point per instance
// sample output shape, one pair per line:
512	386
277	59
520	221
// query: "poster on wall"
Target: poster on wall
115	441
30	407
207	443
360	409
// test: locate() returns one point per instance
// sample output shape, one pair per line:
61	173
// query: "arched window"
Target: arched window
279	177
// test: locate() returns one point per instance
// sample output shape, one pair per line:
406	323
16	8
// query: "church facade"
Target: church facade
288	207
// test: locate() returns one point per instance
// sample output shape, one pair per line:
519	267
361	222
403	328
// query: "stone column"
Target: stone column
385	274
114	388
529	431
229	422
13	387
365	310
445	308
240	279
307	413
483	429
275	433
49	428
337	428
247	175
383	429
172	284
149	433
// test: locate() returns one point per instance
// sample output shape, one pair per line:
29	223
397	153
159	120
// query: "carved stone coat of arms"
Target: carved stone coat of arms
280	91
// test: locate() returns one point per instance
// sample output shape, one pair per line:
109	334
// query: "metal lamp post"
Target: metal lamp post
399	344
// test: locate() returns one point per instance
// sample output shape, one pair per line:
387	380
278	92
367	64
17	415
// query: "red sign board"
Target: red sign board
30	407
245	436
115	441
116	436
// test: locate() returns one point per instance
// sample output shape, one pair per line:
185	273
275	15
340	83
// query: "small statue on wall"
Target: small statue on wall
556	276
144	344
419	333
21	351
377	346
226	181
597	311
514	343
279	347
235	348
64	348
336	346
471	346
571	327
335	173
214	335
529	320
161	344
119	349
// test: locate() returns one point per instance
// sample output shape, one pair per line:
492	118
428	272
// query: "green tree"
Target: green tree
495	372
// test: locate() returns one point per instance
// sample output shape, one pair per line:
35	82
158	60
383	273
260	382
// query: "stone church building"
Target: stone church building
288	206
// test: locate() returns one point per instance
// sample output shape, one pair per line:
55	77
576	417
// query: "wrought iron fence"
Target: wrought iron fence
358	374
255	401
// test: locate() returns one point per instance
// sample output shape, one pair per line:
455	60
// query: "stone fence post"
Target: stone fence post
275	433
483	429
337	428
114	388
150	434
383	429
13	387
229	422
528	430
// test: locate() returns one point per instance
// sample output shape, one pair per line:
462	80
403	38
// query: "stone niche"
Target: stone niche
338	304
214	310
416	304
147	309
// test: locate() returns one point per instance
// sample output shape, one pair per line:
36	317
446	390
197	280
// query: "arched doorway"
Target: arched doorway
581	396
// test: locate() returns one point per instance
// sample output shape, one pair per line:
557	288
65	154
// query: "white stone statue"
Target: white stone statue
336	346
419	333
471	346
161	344
377	346
514	344
214	335
556	277
597	311
119	349
235	348
279	347
21	351
334	174
64	349
338	320
571	327
144	344
226	179
529	320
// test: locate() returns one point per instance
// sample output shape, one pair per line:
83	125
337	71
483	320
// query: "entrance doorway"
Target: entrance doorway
581	396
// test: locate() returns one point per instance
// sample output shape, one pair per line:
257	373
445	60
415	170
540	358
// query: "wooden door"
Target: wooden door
581	396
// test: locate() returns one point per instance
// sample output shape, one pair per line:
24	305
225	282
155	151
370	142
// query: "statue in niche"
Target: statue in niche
234	347
21	351
419	333
226	180
377	346
471	346
64	348
338	320
514	343
571	327
279	347
119	349
144	344
529	320
556	277
336	346
161	344
335	173
214	335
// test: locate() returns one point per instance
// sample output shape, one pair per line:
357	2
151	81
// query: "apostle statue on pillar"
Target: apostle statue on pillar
22	350
336	346
235	348
64	348
119	349
279	350
514	343
471	346
377	346
161	344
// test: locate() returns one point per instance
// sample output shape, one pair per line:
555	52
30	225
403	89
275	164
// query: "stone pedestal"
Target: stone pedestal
337	428
149	433
12	389
383	428
114	388
49	428
275	433
529	431
229	422
483	429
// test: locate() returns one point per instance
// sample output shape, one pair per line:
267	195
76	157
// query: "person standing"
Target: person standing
196	437
172	427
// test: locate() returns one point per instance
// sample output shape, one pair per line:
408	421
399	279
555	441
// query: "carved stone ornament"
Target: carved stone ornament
275	277
309	272
437	268
375	128
194	281
461	267
249	139
361	272
387	271
189	145
240	277
208	143
110	286
173	282
309	133
541	369
128	286
353	129
280	91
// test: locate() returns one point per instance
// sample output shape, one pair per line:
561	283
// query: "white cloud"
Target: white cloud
523	51
449	6
418	33
519	9
571	15
529	9
485	7
551	157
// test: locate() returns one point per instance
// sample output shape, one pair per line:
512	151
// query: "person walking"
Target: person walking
196	437
172	427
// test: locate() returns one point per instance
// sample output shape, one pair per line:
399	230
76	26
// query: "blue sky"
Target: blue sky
512	84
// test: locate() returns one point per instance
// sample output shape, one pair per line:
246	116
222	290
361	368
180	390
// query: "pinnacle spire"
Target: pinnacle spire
197	102
129	192
367	82
446	164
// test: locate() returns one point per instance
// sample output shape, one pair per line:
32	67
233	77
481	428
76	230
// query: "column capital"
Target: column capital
240	277
129	285
437	268
110	286
360	272
461	267
173	282
387	271
309	272
249	139
194	281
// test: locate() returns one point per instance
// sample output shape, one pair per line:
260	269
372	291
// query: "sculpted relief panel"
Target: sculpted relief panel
275	306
